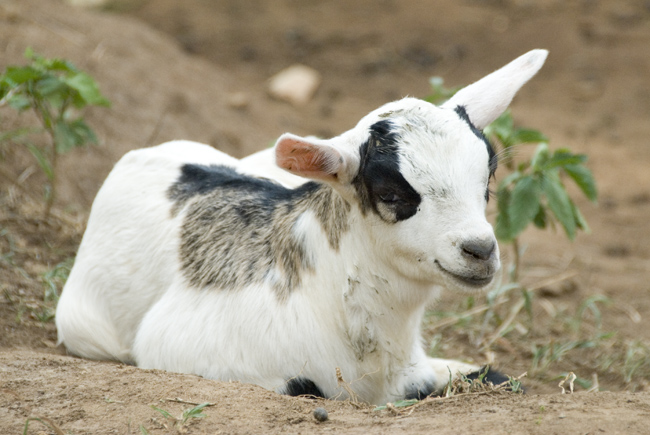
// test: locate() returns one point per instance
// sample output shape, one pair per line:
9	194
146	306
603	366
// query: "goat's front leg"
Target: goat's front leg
430	376
447	370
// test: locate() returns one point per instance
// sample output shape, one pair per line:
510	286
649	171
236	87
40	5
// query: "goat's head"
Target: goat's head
420	174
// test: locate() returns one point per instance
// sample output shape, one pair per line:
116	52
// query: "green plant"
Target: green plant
46	422
637	357
187	415
54	279
534	191
55	91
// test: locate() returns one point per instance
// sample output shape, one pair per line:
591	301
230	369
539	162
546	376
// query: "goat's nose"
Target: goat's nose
479	249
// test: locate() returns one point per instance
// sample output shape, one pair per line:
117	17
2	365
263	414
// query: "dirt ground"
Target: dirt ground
198	69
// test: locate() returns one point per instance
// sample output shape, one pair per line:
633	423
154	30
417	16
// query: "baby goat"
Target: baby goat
196	262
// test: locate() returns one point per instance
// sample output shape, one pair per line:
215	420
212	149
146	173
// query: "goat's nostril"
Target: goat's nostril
479	249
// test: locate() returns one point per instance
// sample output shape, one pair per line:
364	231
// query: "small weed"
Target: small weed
185	418
637	358
45	422
544	355
514	385
54	279
590	306
195	412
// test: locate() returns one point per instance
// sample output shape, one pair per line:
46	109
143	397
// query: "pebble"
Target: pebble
296	84
320	414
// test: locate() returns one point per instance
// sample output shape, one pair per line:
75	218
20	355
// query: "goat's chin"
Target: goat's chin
466	283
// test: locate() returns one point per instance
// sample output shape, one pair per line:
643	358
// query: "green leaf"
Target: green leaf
59	65
559	203
562	158
53	89
581	223
83	132
87	88
195	412
15	76
440	92
524	135
164	413
64	137
524	204
540	218
510	179
502	128
540	157
42	160
20	102
583	177
68	135
527	295
502	226
46	64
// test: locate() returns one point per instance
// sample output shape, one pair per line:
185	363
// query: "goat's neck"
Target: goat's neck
382	305
378	303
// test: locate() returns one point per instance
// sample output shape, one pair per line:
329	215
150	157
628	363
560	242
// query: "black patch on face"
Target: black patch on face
380	185
492	158
419	392
302	387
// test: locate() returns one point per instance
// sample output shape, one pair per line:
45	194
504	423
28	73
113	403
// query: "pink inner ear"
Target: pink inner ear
307	160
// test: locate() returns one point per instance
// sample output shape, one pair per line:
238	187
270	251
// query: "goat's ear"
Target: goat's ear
488	98
310	158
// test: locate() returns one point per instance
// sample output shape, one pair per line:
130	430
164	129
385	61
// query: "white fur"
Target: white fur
360	307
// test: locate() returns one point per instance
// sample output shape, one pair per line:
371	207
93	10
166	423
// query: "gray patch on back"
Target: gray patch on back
238	230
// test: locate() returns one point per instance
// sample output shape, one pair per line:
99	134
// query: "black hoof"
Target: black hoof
494	377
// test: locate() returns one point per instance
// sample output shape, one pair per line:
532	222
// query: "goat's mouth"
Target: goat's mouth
468	280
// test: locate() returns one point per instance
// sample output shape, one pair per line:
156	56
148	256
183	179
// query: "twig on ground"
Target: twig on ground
339	378
179	400
570	377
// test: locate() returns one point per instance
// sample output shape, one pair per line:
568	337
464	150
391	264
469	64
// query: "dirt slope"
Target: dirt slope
113	398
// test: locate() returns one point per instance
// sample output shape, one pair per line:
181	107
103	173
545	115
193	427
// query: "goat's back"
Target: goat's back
129	252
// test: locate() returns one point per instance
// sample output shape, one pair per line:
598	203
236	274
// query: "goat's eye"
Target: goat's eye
390	198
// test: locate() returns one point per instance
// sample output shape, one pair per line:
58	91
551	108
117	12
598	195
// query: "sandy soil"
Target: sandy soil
173	70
